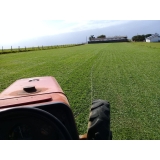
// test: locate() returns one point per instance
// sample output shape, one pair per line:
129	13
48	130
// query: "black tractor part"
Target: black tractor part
99	121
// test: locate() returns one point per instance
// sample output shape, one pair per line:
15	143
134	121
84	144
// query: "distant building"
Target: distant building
109	39
153	38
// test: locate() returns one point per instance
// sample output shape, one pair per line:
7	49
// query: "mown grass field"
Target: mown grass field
125	74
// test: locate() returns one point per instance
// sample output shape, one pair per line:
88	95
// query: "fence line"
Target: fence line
19	49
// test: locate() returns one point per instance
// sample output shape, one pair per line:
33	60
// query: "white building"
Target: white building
153	38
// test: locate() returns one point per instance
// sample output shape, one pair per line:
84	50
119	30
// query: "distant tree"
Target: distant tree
139	38
91	37
142	37
147	35
101	36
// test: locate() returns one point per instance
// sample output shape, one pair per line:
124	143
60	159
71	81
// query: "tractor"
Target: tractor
38	109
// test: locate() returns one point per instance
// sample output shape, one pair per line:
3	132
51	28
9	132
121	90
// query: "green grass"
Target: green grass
125	74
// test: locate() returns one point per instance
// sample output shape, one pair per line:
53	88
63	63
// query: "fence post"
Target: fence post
25	48
42	46
19	48
2	49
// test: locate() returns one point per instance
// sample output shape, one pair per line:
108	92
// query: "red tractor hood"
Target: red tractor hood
32	90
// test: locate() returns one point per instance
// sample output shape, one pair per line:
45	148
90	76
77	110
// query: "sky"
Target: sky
22	30
35	23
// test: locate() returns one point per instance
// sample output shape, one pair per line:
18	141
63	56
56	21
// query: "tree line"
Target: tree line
101	36
140	37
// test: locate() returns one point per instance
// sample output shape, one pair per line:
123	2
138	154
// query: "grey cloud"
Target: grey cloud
130	28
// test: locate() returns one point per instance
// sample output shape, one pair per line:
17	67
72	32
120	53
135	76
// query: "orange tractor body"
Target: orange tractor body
37	90
43	93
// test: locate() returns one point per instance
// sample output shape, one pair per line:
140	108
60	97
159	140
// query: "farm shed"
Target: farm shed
153	38
109	39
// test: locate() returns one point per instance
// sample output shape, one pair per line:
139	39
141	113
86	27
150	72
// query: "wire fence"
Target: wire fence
25	49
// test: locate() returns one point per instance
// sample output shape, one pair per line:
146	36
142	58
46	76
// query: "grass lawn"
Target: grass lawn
125	74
